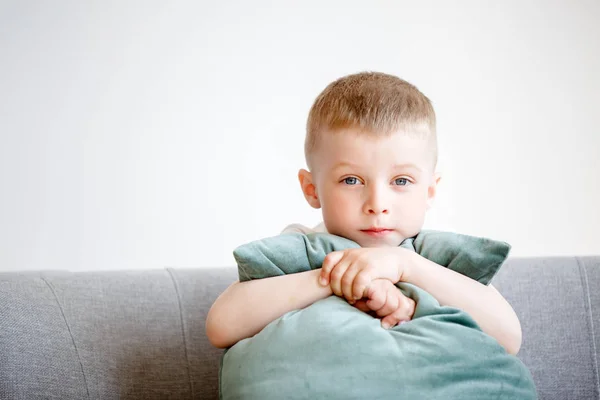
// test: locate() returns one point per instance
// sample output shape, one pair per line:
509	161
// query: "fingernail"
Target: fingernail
385	325
402	322
323	281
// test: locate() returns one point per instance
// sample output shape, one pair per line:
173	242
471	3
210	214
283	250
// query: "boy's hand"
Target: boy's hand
350	272
388	303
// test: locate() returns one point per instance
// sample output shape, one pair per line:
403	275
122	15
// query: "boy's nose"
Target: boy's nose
376	203
378	211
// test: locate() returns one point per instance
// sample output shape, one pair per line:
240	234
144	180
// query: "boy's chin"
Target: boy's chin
363	240
378	243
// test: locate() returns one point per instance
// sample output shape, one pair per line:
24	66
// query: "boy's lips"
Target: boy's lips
377	232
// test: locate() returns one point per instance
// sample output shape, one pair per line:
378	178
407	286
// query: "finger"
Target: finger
363	278
361	282
403	313
389	321
406	307
328	263
347	281
398	316
410	307
376	297
336	275
362	306
391	305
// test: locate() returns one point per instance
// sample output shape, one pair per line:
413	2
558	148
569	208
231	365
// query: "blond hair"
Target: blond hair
371	102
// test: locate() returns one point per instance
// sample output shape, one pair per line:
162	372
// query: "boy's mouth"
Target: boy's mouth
377	232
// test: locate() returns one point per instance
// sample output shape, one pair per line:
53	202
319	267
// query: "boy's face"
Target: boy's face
372	190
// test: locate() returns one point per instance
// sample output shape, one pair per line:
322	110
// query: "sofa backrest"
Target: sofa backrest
109	335
557	300
141	334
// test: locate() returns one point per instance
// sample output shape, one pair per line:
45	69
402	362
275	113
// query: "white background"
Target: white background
150	134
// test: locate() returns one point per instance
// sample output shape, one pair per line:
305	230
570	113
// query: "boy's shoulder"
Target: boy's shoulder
299	228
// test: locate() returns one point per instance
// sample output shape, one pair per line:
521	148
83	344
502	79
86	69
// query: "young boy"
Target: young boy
371	151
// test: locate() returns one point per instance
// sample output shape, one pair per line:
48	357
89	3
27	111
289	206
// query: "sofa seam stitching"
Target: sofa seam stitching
185	347
588	300
70	333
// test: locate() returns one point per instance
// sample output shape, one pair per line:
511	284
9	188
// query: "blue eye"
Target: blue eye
351	180
401	181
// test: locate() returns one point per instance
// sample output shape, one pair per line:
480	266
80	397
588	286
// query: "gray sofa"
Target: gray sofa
140	334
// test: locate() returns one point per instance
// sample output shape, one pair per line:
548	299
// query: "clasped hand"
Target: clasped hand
366	278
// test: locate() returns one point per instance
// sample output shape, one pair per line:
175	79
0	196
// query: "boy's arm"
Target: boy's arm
484	303
349	272
245	308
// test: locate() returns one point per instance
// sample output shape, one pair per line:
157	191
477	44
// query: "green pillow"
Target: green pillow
331	350
477	258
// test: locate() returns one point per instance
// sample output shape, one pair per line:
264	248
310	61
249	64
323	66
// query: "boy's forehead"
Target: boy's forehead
352	149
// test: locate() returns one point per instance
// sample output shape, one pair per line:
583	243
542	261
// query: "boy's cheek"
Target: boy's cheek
337	212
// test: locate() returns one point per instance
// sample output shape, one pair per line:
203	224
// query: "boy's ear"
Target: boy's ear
432	190
308	188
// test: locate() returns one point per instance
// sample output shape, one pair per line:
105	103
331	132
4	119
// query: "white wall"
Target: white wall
151	134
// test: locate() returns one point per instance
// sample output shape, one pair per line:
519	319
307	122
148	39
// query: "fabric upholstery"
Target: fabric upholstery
140	334
552	298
